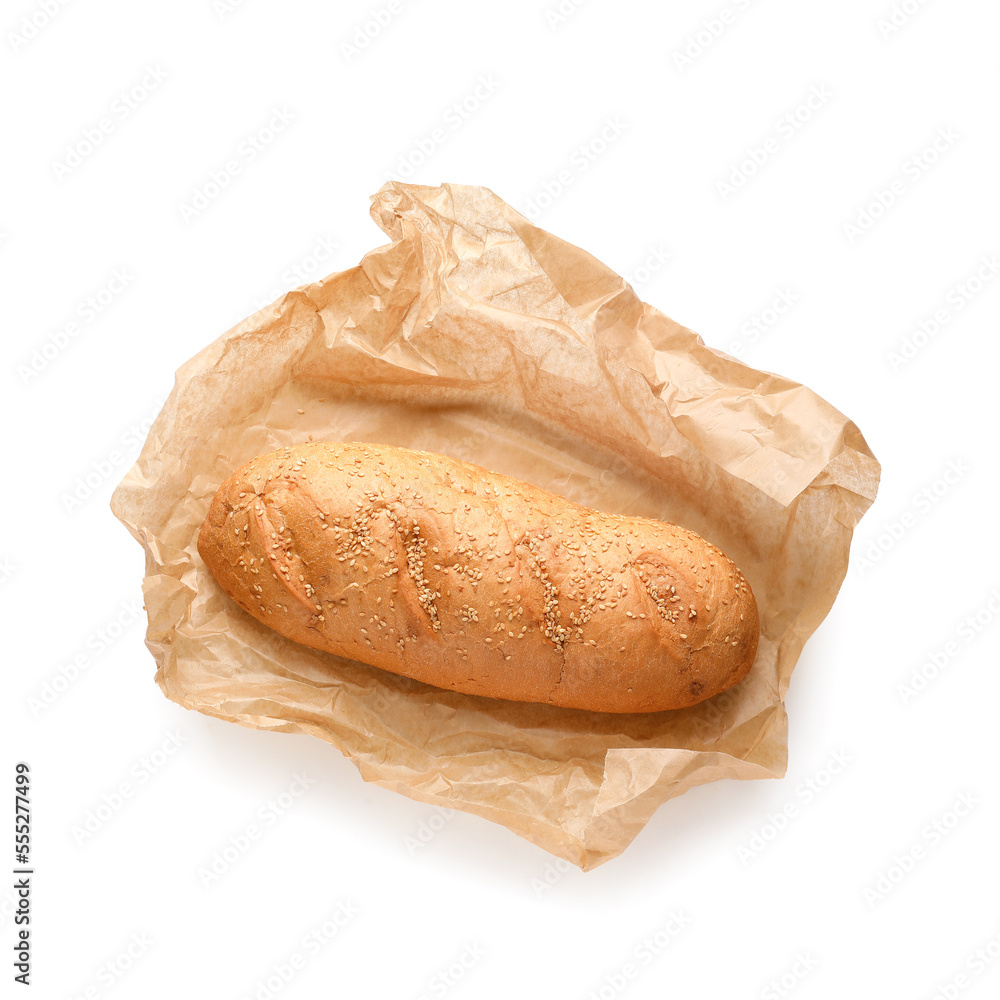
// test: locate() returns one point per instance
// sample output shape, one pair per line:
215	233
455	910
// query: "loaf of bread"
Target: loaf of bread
469	580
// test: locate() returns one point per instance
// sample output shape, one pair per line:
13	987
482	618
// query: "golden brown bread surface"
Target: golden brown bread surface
466	579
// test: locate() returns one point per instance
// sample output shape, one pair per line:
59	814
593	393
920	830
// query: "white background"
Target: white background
765	913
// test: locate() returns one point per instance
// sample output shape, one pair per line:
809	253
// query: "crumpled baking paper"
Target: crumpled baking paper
478	335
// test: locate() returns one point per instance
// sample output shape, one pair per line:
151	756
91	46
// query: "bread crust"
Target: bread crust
469	580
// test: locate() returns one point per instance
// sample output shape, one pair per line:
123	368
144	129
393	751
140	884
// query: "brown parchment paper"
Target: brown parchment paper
478	335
